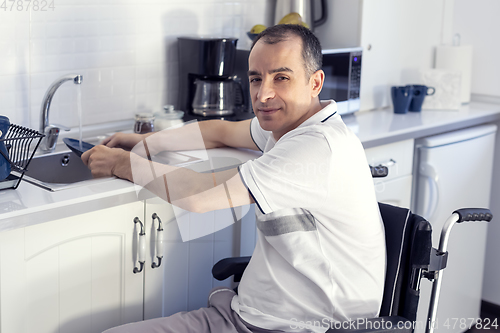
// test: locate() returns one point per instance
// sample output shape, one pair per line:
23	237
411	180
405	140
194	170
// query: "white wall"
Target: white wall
125	49
478	24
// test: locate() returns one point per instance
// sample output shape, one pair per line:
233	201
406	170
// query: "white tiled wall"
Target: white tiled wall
125	49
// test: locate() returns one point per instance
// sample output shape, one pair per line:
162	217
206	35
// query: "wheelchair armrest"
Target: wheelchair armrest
230	266
387	324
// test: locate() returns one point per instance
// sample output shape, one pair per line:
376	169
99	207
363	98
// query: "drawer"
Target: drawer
397	156
395	192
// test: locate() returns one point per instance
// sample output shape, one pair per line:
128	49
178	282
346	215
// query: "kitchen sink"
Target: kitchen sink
65	168
57	171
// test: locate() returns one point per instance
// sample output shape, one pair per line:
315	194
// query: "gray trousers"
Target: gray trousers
218	317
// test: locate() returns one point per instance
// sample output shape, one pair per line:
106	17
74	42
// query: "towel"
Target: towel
5	167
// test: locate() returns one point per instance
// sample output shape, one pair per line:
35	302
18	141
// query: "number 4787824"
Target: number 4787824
26	5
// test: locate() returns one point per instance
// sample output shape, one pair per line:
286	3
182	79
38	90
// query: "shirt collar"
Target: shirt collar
322	115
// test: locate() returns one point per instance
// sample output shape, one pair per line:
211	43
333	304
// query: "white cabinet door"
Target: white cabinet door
184	279
73	274
393	49
396	192
455	171
395	189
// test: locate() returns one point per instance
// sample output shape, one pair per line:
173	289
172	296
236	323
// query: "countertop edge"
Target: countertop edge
64	209
425	130
124	193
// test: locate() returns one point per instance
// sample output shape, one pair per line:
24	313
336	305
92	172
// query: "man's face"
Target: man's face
282	95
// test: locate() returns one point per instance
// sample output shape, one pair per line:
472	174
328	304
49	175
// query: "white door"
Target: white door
455	172
73	274
184	279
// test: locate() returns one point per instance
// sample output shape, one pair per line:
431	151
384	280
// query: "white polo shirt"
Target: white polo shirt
320	253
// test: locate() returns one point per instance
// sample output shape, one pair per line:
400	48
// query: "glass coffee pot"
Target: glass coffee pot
215	97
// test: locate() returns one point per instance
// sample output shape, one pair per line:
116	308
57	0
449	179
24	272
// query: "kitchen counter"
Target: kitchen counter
29	204
375	128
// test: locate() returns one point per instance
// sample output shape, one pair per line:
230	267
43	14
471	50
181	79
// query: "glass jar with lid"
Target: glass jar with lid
168	118
144	122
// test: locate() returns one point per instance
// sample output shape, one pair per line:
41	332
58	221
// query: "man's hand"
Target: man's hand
125	141
106	162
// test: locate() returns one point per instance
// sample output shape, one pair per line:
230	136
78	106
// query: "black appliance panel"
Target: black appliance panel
336	68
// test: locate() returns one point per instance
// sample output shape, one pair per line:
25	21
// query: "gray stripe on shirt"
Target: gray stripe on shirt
286	224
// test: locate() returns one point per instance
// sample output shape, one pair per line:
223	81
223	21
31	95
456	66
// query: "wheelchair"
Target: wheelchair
410	258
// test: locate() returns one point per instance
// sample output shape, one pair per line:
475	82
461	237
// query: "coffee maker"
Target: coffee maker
208	86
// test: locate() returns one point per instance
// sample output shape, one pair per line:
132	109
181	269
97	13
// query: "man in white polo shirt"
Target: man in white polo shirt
320	254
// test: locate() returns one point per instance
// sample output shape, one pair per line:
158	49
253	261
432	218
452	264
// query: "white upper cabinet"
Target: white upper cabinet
398	39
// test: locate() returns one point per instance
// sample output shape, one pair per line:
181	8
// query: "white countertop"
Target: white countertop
375	128
29	204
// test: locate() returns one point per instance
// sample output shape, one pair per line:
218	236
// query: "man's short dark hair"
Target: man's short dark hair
311	47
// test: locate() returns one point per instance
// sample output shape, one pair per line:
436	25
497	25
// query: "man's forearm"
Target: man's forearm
192	136
187	189
203	135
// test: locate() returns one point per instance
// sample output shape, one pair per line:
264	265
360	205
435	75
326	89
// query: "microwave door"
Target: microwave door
336	85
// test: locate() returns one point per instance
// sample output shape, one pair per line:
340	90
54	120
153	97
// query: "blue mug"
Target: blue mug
401	98
419	93
5	167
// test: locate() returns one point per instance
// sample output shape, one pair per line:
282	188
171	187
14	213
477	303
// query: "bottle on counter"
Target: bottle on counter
168	118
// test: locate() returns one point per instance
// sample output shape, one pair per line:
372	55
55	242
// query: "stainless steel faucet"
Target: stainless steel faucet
51	131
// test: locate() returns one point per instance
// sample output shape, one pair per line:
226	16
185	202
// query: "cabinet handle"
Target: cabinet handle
159	241
389	163
381	170
142	247
426	170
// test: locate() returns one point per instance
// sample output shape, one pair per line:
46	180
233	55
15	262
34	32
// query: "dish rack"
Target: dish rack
21	144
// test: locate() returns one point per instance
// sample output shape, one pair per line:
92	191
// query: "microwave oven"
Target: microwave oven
342	69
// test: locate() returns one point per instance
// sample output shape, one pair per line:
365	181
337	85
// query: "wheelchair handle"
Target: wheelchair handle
473	214
458	216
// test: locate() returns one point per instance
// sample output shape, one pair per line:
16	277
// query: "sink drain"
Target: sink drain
65	160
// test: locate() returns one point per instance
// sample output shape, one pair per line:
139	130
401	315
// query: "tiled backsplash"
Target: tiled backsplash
126	51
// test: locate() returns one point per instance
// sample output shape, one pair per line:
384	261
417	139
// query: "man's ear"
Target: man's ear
316	81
